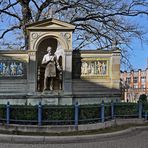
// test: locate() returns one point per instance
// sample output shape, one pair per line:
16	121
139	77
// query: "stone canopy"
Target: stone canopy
53	28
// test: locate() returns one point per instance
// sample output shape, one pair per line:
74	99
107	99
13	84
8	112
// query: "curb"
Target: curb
71	139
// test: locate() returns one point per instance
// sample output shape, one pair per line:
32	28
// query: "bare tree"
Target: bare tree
98	23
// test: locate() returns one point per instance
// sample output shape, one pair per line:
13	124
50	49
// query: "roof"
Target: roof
96	51
50	24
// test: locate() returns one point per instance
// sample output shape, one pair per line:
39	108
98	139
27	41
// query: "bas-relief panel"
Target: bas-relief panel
94	67
12	69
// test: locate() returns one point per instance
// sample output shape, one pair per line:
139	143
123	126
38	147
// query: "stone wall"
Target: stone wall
96	75
13	72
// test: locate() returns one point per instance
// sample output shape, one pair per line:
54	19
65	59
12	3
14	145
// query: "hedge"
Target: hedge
64	114
126	109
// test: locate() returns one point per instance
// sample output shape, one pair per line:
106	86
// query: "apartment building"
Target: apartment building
133	84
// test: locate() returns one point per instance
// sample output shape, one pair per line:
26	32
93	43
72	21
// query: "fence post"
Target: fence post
76	115
140	109
112	110
102	112
146	115
39	114
8	113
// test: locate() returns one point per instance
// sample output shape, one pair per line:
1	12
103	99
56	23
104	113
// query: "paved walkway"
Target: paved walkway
133	138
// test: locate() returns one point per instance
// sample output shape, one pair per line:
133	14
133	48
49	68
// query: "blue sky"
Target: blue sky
139	55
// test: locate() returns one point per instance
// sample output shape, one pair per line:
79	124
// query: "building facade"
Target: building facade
133	84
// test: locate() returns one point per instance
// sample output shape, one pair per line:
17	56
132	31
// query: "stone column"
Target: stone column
115	69
67	76
32	72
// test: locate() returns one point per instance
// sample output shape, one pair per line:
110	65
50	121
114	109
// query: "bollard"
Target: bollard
112	110
102	112
39	114
140	109
76	115
8	113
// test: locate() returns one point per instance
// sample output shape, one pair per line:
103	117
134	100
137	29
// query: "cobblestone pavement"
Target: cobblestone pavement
138	140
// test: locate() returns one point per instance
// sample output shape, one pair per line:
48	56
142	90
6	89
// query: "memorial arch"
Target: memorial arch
58	35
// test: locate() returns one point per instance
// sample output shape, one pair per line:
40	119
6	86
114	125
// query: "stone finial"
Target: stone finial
114	44
50	13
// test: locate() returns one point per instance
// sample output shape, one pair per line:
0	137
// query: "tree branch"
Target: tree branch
35	4
10	14
10	5
41	8
8	30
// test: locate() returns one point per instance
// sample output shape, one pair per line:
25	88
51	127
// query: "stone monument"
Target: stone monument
61	76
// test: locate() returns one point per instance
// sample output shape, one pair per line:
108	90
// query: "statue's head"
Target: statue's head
49	49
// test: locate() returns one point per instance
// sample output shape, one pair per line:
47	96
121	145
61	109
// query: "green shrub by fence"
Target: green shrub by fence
145	106
2	112
89	113
126	109
60	114
20	112
23	114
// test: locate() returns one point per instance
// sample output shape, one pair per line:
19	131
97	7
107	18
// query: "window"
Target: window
143	79
128	80
135	86
135	79
142	86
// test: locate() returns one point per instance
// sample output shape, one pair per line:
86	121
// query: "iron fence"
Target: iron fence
70	114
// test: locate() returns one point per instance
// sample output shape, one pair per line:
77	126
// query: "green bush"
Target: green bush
107	111
90	113
143	98
20	112
2	112
145	106
126	109
58	113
